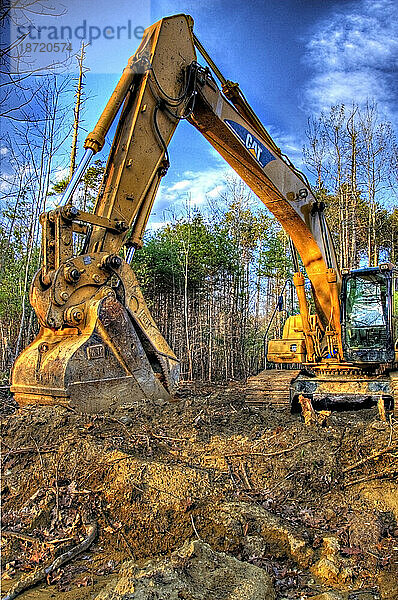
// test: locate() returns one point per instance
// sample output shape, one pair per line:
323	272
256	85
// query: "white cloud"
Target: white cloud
60	174
216	191
6	182
353	53
336	87
155	225
196	189
4	150
180	185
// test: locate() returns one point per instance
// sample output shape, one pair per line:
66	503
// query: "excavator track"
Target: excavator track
270	388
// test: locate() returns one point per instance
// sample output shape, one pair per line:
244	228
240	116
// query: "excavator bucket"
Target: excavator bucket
94	368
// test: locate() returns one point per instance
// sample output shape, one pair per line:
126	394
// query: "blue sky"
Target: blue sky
292	58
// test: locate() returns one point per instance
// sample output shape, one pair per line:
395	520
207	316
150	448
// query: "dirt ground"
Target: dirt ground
315	507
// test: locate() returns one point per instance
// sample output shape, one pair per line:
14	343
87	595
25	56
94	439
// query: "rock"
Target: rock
329	514
331	567
160	402
254	545
330	547
126	420
127	407
280	538
326	570
193	572
329	596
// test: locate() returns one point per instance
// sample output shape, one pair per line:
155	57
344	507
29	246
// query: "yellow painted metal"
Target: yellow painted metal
75	297
334	298
233	92
286	351
137	233
114	352
277	185
291	348
96	139
137	158
158	72
298	280
114	225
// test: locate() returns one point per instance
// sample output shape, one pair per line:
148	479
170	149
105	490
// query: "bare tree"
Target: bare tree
78	105
18	88
31	150
351	152
315	154
377	144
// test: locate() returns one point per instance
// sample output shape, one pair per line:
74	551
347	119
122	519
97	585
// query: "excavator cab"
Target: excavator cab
369	314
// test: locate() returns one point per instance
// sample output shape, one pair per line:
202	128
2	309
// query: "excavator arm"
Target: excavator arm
249	150
98	344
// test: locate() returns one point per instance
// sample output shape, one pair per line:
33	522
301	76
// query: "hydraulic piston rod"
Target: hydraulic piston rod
77	175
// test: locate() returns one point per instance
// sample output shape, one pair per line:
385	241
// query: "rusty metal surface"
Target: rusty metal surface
341	387
91	369
269	388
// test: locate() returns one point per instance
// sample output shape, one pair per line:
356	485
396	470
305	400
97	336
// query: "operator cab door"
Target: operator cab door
369	315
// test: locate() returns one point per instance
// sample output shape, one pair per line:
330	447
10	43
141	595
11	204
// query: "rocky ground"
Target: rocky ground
205	498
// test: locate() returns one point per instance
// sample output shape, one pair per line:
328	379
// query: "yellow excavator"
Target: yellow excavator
98	344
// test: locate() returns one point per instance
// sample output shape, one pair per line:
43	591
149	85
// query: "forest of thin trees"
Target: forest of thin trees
212	278
353	155
212	281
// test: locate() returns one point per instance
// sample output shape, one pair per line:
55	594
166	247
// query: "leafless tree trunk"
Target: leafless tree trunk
79	90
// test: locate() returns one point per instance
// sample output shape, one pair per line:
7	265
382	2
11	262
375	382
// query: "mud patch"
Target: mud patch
312	507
